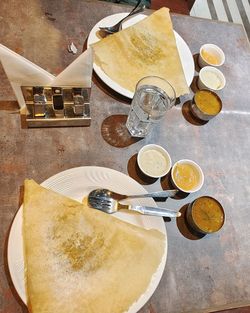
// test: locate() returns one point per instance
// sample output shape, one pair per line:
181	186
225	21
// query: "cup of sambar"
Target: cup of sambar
205	215
206	104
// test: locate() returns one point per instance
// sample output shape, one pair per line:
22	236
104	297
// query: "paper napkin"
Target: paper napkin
78	73
22	72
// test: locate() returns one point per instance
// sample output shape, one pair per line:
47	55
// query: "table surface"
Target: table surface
201	274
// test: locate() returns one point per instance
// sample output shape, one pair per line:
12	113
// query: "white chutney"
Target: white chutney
154	162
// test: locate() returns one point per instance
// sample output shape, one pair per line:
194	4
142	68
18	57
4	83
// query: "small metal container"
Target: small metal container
195	109
205	208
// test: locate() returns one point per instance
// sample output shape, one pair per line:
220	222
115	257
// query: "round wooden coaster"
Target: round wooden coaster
115	133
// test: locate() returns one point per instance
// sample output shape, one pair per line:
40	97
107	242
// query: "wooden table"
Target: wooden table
201	274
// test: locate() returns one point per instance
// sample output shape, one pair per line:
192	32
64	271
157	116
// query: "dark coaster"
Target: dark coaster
194	85
184	228
135	172
188	115
196	64
115	133
166	184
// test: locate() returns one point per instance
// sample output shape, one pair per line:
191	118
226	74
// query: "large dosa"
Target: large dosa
82	260
146	48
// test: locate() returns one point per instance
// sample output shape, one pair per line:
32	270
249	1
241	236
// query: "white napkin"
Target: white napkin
78	73
22	72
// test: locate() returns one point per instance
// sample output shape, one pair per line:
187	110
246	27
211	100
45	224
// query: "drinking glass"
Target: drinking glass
153	97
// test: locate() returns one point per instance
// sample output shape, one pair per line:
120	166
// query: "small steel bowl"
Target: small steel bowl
195	225
196	111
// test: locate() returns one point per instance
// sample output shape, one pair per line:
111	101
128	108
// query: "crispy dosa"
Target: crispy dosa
146	48
82	260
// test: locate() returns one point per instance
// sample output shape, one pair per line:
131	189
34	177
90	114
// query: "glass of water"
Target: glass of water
153	97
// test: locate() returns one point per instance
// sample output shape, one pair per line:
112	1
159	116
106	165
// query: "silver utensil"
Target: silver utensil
115	28
105	193
111	206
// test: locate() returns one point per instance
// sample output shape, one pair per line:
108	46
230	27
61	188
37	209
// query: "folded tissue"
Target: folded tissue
22	72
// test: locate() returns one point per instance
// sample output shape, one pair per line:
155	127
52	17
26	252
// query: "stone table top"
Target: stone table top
201	274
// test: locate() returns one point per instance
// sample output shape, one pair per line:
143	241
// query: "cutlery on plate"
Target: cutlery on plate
115	28
110	206
108	194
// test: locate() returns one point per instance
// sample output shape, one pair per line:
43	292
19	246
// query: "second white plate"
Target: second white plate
184	51
77	183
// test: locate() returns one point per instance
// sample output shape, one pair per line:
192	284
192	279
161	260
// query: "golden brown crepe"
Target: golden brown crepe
146	48
82	260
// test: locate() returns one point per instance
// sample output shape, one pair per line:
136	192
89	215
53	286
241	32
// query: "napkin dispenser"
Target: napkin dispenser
57	106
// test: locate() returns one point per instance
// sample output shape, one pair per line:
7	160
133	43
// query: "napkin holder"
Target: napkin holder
48	106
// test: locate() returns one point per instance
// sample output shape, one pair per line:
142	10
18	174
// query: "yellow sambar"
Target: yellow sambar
207	214
208	102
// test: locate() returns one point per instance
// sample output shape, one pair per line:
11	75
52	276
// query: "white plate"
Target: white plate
77	183
184	51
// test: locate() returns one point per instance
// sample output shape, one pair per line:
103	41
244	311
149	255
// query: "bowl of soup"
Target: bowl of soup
205	215
154	161
211	54
206	104
187	176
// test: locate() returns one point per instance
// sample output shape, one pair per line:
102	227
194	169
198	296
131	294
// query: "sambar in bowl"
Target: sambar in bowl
206	104
205	215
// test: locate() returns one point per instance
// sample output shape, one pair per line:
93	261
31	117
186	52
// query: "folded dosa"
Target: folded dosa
146	48
82	260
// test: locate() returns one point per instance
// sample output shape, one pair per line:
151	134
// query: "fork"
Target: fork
115	28
105	193
111	206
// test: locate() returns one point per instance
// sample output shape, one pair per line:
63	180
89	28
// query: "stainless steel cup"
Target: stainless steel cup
195	109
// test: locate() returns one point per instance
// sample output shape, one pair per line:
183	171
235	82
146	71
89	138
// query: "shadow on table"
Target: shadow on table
9	106
135	172
166	184
186	112
184	228
194	84
115	133
196	64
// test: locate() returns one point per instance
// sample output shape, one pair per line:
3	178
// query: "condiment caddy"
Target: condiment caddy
57	106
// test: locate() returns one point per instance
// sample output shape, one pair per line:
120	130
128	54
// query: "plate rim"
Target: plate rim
18	216
114	85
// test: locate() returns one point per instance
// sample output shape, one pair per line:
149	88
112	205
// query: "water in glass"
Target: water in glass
147	108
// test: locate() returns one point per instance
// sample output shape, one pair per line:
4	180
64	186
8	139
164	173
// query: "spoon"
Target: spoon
115	28
110	205
107	194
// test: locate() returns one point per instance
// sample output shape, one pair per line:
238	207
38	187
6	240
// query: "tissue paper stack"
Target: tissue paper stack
22	72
